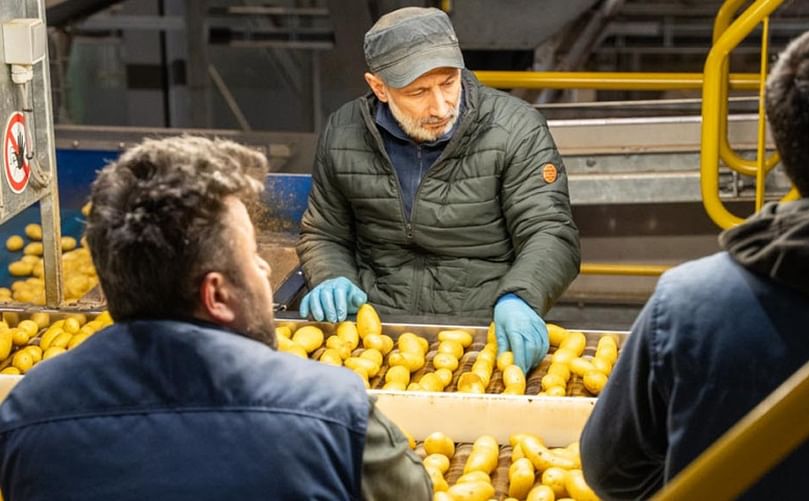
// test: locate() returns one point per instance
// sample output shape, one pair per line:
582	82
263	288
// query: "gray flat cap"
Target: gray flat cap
409	42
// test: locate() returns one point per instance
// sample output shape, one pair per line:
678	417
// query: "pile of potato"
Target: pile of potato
524	470
27	342
78	272
407	364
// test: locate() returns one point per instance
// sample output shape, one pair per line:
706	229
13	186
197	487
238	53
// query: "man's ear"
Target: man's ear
377	87
217	298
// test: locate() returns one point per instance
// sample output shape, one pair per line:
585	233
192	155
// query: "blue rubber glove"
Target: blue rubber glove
333	300
518	328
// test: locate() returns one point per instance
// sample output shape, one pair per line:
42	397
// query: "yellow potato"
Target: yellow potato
11	371
556	334
370	367
454	348
331	356
474	476
387	344
561	370
399	374
549	380
469	382
540	492
602	365
68	244
373	355
48	336
6	343
413	361
283	331
541	457
395	385
23	361
347	331
556	391
594	381
520	478
504	360
71	325
33	249
308	337
437	478
578	488
52	352
491	335
410	440
412	343
439	462
461	337
555	478
442	496
368	321
513	376
575	342
516	453
471	491
29	326
445	361
19	337
581	366
439	443
431	382
20	268
563	356
373	341
339	345
33	231
484	455
35	351
61	340
42	319
14	243
444	375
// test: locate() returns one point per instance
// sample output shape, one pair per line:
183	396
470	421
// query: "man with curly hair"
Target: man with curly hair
718	335
184	397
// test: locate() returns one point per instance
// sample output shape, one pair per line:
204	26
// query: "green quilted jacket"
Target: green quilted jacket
491	216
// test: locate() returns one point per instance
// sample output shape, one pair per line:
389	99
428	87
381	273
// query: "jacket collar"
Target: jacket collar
774	243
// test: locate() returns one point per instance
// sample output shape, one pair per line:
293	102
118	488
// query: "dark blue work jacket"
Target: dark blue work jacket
165	410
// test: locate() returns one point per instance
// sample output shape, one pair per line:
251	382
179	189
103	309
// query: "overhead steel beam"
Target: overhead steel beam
70	11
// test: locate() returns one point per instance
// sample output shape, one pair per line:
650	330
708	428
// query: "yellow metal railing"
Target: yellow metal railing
645	270
607	81
757	443
727	36
732	159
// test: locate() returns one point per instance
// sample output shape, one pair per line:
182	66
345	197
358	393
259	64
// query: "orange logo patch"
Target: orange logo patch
549	173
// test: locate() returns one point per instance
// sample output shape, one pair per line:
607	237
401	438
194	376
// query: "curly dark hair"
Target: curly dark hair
155	228
788	110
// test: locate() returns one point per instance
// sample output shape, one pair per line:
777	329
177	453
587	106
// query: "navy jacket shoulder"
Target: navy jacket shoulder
173	410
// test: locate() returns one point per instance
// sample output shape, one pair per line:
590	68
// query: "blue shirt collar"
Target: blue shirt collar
385	119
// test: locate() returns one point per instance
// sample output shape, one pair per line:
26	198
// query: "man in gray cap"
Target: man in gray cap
434	195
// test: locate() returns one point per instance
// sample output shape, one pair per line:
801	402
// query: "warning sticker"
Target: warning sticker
15	161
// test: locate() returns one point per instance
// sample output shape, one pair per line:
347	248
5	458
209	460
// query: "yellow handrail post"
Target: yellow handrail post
711	94
761	150
754	445
728	155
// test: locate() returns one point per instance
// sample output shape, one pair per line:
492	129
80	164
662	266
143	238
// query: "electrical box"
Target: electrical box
24	41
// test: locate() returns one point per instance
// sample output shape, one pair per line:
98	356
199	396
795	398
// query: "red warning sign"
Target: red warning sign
15	149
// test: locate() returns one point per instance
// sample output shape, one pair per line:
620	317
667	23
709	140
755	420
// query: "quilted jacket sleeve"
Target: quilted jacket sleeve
536	206
326	244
